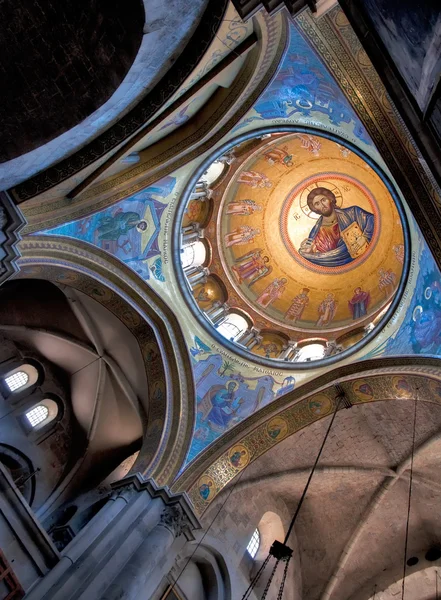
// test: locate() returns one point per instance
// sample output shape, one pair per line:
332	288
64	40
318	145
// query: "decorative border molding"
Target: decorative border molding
296	411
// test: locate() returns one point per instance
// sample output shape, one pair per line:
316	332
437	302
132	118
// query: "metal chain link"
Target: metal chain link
256	578
270	580
282	585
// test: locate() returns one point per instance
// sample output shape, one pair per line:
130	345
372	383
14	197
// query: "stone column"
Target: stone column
289	352
254	339
198	195
245	337
191	233
198	276
142	573
220	315
227	158
126	549
213	310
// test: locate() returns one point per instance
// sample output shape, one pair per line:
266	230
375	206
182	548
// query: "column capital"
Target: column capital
174	519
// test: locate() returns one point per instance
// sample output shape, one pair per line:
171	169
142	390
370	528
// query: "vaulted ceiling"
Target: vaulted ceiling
302	101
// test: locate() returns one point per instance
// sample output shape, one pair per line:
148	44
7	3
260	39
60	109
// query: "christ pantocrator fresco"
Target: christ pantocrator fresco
340	234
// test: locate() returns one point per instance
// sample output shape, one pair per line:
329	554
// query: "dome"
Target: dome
306	242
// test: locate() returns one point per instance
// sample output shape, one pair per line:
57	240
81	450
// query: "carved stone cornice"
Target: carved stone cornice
178	516
247	8
11	222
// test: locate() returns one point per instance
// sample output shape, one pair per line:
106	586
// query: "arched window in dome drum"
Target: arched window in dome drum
37	415
310	352
193	255
213	172
233	326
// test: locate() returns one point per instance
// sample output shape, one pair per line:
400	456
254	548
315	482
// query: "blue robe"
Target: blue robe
221	413
340	255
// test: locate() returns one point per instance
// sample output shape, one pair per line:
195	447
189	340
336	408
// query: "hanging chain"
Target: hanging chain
406	538
279	550
265	592
339	398
256	578
282	585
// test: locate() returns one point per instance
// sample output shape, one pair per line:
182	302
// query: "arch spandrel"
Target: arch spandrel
169	421
400	379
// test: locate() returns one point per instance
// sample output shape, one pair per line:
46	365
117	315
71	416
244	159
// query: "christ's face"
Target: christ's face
322	205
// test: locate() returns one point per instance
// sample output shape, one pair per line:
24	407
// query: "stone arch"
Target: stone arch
420	583
171	395
370	381
205	566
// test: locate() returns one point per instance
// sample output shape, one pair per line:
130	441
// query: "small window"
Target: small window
37	415
310	352
41	414
233	326
213	172
17	380
254	543
193	255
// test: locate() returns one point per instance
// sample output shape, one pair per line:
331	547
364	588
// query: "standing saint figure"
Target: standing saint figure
243	207
279	156
272	292
240	236
399	253
254	267
326	310
358	304
340	234
387	282
254	179
299	303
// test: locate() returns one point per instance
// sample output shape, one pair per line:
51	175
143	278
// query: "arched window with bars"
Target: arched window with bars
41	414
19	379
254	543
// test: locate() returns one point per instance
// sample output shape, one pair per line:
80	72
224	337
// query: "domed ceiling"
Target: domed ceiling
310	236
306	239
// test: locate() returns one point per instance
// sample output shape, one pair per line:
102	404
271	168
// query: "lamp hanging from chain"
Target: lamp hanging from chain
281	552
